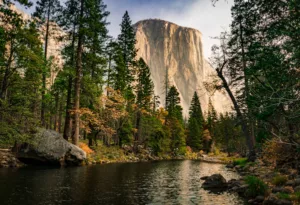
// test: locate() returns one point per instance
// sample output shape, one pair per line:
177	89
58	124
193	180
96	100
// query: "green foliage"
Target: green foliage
126	133
256	187
21	68
174	122
241	162
283	196
296	197
173	104
144	87
159	142
279	180
125	58
195	124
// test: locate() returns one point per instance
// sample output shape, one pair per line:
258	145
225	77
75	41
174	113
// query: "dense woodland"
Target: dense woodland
104	93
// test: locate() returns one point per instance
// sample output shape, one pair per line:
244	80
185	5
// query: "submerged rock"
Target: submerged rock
48	147
215	182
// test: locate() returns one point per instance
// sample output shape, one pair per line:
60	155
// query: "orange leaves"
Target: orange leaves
85	148
162	114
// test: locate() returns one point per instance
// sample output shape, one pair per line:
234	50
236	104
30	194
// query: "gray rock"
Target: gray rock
297	182
297	189
259	199
230	166
282	190
290	183
49	147
215	181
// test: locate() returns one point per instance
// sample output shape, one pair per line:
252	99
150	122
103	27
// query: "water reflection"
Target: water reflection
172	182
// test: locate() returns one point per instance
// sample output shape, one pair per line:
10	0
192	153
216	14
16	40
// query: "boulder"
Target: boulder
297	189
49	148
215	182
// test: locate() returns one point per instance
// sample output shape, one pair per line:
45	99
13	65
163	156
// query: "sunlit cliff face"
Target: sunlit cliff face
167	46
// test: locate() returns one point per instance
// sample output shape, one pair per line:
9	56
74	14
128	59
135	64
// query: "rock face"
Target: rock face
169	48
48	147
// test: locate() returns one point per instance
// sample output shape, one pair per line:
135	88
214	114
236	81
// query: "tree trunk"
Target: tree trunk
75	138
251	124
108	74
137	125
56	111
68	123
60	115
4	84
44	74
250	145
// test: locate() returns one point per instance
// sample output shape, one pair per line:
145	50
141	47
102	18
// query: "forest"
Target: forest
98	105
104	94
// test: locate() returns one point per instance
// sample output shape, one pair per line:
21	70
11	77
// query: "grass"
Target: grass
283	196
240	162
296	197
279	180
256	187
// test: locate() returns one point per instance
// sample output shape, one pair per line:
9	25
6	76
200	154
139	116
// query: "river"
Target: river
164	182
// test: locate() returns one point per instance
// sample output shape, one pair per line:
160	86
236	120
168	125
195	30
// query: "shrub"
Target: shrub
283	196
85	148
279	180
256	186
296	197
240	161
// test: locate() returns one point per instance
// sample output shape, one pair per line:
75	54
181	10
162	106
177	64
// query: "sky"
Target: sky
198	14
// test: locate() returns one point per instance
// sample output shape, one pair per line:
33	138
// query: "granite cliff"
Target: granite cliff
166	46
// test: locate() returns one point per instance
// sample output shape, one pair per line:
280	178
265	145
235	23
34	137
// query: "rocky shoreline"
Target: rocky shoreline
271	186
8	159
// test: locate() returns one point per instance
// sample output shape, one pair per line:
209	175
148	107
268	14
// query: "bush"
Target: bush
279	180
256	186
296	197
240	161
283	196
85	148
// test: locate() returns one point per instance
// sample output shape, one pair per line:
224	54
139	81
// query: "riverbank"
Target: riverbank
264	184
102	154
8	159
114	154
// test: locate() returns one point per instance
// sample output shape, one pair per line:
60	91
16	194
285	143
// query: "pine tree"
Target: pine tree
46	11
173	101
174	121
69	22
126	62
195	124
145	86
144	90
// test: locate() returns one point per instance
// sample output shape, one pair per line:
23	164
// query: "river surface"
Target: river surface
165	182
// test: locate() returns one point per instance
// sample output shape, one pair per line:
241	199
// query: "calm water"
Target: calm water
167	183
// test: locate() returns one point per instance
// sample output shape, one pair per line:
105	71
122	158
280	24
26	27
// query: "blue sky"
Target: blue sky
198	14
